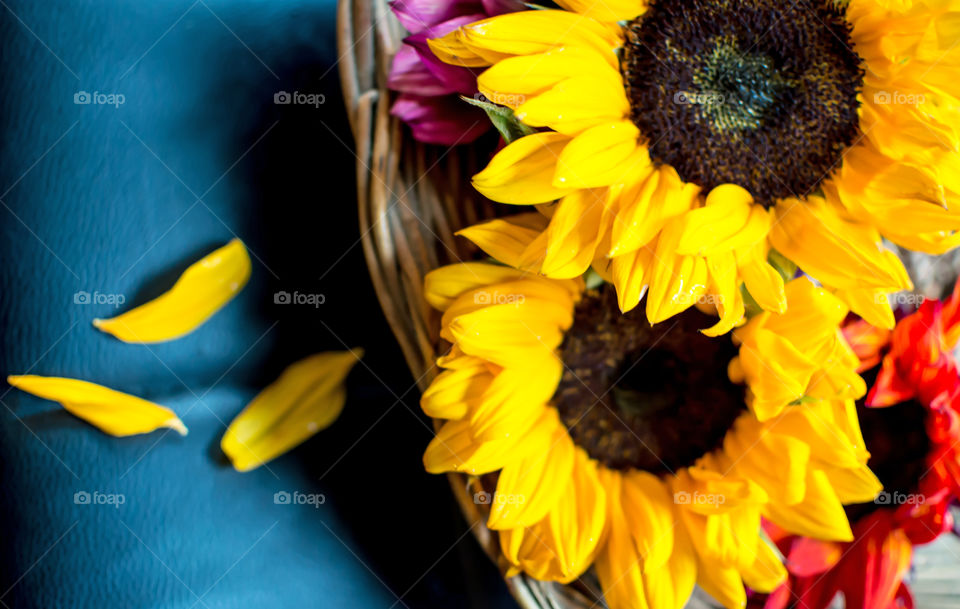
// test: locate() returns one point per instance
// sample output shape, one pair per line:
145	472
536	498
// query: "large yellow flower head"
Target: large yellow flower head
638	449
683	139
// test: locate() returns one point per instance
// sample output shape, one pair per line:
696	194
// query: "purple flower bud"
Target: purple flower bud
428	87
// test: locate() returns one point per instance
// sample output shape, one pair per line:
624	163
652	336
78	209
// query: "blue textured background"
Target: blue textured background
119	201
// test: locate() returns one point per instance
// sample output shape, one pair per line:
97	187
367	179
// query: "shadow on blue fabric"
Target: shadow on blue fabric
138	136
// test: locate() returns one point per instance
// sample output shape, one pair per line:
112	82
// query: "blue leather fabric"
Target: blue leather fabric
116	199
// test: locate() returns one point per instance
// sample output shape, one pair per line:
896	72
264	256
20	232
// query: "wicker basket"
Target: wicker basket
412	199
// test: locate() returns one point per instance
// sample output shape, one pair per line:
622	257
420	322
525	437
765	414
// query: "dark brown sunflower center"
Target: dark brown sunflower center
759	93
651	398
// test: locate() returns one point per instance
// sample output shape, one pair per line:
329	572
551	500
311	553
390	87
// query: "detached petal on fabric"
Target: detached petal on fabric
307	398
203	289
113	412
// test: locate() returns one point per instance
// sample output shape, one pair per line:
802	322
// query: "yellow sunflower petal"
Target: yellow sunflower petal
514	80
648	507
528	549
723	584
676	282
629	274
812	318
606	10
837	251
728	220
649	199
763	281
508	239
118	414
454	392
505	339
872	305
522	173
574	232
724	538
618	565
515	399
563	545
454	449
444	285
709	491
725	293
578	531
670	586
777	372
778	463
451	49
539	31
308	397
202	290
819	515
529	298
904	194
821	426
853	484
600	156
578	103
766	572
529	488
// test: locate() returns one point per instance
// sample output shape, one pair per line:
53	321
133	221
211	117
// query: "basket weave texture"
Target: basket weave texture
412	198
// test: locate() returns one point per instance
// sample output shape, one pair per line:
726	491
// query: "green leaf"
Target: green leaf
782	264
592	279
502	118
750	305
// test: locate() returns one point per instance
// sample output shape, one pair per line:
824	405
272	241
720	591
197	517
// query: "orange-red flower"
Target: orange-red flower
918	371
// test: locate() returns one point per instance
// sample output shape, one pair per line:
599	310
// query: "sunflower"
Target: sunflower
680	141
650	452
911	423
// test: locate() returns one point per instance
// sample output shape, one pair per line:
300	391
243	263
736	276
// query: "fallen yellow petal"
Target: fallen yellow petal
118	414
307	398
202	290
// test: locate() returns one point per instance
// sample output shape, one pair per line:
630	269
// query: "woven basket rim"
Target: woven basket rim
411	199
